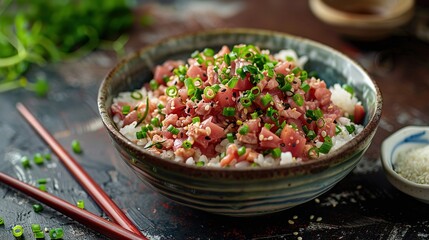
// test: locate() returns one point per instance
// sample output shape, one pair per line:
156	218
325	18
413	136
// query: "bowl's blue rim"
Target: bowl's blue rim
390	145
313	165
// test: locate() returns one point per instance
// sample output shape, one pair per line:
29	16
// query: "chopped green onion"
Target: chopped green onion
190	86
39	235
245	101
173	130
311	134
241	151
17	231
289	58
209	92
165	78
38	159
48	156
208	52
37	208
200	163
216	87
80	204
286	86
155	122
141	134
160	106
222	155
227	59
186	144
254	164
25	162
232	82
350	128
267	126
305	87
149	127
42	187
75	145
230	137
198	94
1	221
244	129
266	99
304	75
56	233
196	119
326	146
228	111
337	129
296	70
153	84
349	89
42	181
290	77
240	72
272	113
172	91
276	152
195	54
255	91
254	115
313	152
126	109
36	228
197	82
298	99
137	95
305	129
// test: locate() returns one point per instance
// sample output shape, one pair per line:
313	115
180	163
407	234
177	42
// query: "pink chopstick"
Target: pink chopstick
88	219
95	191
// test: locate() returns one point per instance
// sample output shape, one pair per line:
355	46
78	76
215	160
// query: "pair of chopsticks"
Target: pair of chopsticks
124	229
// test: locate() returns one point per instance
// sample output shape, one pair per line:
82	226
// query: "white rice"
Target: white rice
343	99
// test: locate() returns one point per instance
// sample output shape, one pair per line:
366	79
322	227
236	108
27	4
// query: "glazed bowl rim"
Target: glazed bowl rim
323	161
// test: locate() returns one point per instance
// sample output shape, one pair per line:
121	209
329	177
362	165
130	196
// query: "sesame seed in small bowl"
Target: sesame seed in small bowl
405	159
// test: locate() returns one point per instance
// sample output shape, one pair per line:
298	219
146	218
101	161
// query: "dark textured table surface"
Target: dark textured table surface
364	205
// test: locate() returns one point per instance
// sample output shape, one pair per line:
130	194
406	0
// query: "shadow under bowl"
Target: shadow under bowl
250	191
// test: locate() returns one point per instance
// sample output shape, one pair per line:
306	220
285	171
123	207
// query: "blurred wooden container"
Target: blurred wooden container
364	19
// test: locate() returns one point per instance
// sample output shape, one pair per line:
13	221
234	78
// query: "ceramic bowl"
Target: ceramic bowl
230	191
403	140
364	19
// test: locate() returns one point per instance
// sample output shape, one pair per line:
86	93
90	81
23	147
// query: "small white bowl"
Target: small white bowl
404	140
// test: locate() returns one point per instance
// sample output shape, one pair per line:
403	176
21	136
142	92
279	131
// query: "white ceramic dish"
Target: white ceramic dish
403	140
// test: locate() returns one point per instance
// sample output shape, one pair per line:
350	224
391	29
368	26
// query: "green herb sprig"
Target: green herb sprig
43	31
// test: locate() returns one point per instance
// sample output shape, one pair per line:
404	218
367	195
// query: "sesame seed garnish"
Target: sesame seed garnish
290	221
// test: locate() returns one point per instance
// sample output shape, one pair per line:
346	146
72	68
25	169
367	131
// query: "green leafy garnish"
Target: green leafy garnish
44	31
